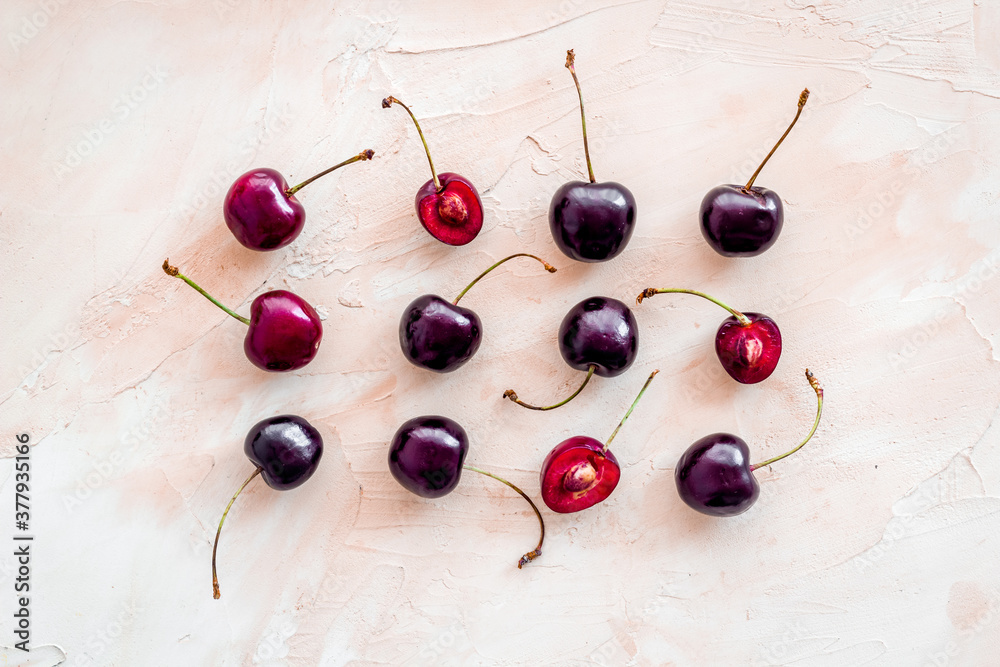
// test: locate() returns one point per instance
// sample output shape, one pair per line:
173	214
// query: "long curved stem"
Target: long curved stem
512	395
803	96
651	291
386	103
215	579
537	551
366	154
814	383
631	408
548	267
571	66
172	271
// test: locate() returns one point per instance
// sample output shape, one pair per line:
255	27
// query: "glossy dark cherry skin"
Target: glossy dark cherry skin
738	222
455	214
592	222
284	333
426	455
577	474
713	476
438	335
260	214
749	353
287	448
600	332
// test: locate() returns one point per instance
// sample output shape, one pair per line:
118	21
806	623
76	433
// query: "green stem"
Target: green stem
631	408
215	579
386	103
548	267
803	96
651	291
512	395
814	383
571	66
537	551
172	271
366	154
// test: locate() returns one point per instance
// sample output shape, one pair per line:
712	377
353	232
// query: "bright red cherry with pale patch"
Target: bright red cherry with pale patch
748	344
448	205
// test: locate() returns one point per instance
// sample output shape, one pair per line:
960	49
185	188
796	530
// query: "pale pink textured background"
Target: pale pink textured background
122	125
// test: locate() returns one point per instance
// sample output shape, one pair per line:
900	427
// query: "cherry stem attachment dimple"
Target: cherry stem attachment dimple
814	383
803	96
386	103
652	291
642	391
548	267
571	66
366	154
172	271
537	551
215	579
512	395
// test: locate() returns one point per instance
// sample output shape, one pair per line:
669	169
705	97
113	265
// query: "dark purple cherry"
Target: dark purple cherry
580	472
285	451
284	331
598	335
448	205
743	220
442	336
261	210
714	475
748	344
427	456
591	222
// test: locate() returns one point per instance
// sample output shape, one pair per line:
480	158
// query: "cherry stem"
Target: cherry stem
215	579
537	551
548	267
803	96
512	395
814	383
366	154
631	408
172	271
386	103
652	291
571	66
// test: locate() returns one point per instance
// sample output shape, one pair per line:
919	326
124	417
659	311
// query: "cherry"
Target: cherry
747	344
448	205
714	475
598	335
261	210
591	222
442	336
743	221
284	330
285	451
580	472
427	456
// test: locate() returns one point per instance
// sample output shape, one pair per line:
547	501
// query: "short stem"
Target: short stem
366	154
548	267
537	551
814	383
172	271
215	579
512	395
386	103
571	66
631	408
651	291
803	96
